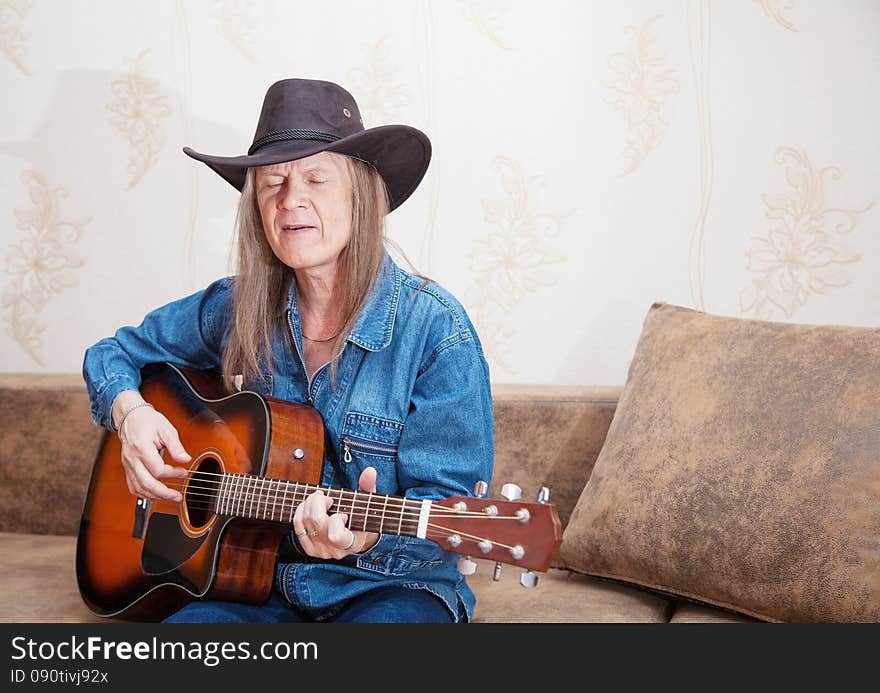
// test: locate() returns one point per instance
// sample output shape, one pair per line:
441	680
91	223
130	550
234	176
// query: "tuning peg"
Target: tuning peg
480	489
528	579
496	574
466	566
511	492
543	495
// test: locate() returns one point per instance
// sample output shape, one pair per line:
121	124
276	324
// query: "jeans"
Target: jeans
383	605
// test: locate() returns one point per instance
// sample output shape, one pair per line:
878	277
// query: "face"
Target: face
305	207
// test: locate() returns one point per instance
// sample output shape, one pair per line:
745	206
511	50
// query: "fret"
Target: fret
283	499
259	484
248	496
367	511
256	496
275	497
295	501
241	491
354	496
382	517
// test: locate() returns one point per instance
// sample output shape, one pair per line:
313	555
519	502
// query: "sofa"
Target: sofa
545	436
732	478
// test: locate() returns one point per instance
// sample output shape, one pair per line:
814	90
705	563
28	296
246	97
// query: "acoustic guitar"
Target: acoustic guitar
254	460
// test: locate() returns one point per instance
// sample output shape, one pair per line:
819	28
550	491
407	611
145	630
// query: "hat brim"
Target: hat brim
399	153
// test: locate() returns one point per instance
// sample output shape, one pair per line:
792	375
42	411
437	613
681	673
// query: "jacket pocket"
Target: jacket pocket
366	437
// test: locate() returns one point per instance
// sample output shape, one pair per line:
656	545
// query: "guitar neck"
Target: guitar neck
276	500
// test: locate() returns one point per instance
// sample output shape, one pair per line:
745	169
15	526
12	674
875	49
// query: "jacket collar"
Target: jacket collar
375	324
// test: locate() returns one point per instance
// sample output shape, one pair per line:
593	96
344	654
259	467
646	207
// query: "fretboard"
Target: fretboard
275	500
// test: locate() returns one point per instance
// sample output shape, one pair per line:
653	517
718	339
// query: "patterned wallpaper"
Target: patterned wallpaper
590	158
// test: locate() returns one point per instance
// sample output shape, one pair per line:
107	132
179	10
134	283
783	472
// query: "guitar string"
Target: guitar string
343	493
437	528
251	495
367	508
299	495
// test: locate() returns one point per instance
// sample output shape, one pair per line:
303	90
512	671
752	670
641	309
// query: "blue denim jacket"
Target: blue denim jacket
412	397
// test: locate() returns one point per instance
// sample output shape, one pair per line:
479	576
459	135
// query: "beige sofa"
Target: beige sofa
545	435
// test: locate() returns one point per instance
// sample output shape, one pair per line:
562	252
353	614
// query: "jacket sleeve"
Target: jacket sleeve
447	445
187	332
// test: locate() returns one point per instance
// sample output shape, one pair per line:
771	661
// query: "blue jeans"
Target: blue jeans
383	605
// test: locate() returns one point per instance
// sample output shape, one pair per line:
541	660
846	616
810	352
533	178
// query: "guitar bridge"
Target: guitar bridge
141	513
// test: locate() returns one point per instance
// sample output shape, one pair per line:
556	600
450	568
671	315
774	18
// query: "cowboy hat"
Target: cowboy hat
301	117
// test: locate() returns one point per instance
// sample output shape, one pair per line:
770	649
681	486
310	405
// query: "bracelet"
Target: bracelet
129	411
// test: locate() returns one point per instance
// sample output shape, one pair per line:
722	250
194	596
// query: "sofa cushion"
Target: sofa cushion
741	469
38	574
689	612
39	586
561	596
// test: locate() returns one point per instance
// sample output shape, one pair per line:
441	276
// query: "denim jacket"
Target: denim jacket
411	398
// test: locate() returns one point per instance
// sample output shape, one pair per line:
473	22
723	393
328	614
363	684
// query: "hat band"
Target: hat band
282	135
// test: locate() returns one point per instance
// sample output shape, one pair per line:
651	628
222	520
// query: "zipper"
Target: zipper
302	359
368	447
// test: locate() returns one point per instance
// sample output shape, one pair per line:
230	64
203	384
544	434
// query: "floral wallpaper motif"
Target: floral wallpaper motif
137	112
378	88
427	66
488	17
805	251
777	9
234	20
699	23
39	265
13	37
639	87
514	260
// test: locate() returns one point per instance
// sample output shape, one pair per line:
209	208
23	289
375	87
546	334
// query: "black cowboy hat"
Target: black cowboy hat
301	117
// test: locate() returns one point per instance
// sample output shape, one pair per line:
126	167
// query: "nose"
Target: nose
293	195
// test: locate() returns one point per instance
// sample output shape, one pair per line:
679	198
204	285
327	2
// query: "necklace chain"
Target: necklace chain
312	339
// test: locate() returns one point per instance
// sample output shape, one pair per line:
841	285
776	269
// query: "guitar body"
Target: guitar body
143	560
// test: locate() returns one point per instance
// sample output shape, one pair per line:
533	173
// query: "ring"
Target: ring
351	543
313	533
301	534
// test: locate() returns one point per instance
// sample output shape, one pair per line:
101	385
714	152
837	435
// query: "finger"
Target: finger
146	478
367	480
315	513
299	528
172	444
338	533
165	471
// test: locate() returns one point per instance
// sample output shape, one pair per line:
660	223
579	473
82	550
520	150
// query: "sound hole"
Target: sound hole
201	492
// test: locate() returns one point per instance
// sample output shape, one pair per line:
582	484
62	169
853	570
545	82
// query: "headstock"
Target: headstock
507	531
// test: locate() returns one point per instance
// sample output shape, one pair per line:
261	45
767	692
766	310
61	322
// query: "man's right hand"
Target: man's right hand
144	434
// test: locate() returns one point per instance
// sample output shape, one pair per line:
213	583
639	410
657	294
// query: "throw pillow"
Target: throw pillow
742	469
